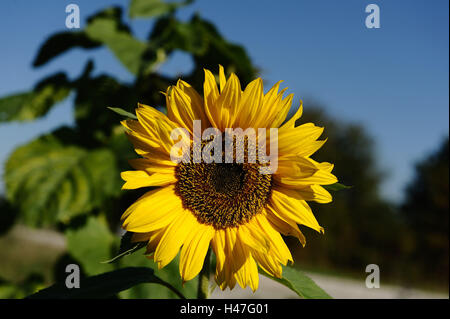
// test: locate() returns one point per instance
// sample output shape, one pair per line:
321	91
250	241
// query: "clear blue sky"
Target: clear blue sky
393	80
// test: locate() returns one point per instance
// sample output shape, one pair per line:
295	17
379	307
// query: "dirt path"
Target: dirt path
339	288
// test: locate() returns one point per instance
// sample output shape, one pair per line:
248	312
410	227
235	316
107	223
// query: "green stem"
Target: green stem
203	280
179	294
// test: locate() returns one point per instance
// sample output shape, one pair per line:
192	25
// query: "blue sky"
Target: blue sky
392	80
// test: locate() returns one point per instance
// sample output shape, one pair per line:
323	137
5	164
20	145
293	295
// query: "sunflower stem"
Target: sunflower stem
203	280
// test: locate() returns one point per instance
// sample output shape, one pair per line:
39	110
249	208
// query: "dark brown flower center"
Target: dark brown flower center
223	194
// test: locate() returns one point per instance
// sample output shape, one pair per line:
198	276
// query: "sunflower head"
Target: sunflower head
242	179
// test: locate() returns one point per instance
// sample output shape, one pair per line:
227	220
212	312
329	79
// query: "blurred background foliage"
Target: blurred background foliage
66	184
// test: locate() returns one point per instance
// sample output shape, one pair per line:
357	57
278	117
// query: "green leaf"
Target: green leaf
153	8
123	112
107	28
10	290
200	38
91	244
127	247
336	187
61	42
90	105
171	34
51	182
104	285
301	284
170	274
232	57
27	106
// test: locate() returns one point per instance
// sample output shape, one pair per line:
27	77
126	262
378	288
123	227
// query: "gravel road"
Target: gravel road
339	288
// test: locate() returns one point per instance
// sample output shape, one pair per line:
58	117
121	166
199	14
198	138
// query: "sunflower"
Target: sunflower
238	210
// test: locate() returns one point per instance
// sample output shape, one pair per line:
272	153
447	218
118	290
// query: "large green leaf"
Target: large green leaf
207	46
90	245
172	34
30	105
301	284
169	274
50	181
61	42
10	290
130	254
104	285
107	28
103	28
233	57
91	111
153	8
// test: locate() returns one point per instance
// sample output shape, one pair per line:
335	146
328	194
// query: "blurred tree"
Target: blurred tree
426	212
410	243
361	227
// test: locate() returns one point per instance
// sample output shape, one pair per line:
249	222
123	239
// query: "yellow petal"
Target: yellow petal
158	126
138	131
252	235
224	275
232	258
174	238
251	104
218	245
284	108
268	263
328	167
290	124
222	78
183	107
296	172
142	142
297	166
155	209
152	166
235	255
194	251
227	104
211	94
291	206
154	239
248	274
285	227
138	179
315	193
298	140
196	99
270	98
273	106
277	245
142	147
